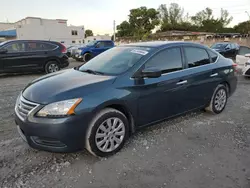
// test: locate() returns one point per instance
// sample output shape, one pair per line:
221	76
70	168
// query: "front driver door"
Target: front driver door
15	58
99	48
160	97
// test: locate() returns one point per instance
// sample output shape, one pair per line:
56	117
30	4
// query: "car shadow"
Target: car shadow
6	75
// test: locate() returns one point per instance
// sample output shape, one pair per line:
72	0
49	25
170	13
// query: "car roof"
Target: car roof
31	41
158	44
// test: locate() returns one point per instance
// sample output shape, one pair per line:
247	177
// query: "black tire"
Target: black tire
97	121
212	106
51	66
87	57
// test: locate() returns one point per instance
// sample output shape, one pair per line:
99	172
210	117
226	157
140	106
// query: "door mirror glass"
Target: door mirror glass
151	73
3	51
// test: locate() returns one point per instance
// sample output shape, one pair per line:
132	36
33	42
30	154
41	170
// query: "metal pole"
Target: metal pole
248	38
114	31
248	14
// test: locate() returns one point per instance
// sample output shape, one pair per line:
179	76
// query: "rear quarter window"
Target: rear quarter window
49	46
212	55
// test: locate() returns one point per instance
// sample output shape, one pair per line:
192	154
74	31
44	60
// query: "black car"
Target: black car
30	55
100	104
227	49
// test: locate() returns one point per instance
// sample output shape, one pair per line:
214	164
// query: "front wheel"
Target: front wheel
87	57
107	133
219	100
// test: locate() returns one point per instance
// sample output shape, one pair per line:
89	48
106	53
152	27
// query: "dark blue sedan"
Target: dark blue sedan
98	105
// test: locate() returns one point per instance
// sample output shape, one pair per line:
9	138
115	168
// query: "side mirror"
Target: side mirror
227	48
151	73
3	51
247	55
97	46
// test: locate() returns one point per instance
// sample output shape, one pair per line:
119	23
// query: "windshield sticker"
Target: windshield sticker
141	52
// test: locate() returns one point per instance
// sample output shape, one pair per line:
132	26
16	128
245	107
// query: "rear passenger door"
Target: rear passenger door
39	52
201	77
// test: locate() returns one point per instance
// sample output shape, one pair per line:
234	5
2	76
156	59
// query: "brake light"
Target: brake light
64	49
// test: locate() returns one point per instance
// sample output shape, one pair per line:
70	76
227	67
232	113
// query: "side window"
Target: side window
213	55
34	46
167	60
108	44
100	44
244	50
15	47
196	56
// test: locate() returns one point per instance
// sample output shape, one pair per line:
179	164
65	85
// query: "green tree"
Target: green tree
173	18
207	22
225	19
143	21
124	29
88	33
243	27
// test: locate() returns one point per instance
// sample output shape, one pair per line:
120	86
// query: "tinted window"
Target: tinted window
39	46
219	45
196	56
213	55
116	60
48	46
108	44
15	47
244	50
100	44
168	60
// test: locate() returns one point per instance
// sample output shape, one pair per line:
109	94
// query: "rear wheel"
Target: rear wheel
107	133
219	100
51	66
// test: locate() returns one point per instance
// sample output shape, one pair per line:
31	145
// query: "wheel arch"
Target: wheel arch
120	106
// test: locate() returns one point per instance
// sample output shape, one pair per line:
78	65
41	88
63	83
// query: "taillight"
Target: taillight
235	68
64	49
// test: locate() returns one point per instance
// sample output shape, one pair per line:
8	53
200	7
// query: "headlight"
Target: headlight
79	51
61	108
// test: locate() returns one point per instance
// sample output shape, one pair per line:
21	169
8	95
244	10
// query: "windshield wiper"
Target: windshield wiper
92	71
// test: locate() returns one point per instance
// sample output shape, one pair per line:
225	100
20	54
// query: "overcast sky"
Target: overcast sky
98	15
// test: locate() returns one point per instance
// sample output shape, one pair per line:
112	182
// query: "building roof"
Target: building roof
8	33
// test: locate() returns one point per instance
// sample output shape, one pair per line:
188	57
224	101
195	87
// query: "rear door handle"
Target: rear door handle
181	82
213	75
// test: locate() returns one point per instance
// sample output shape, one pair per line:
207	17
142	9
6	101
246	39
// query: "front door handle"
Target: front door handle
181	82
213	75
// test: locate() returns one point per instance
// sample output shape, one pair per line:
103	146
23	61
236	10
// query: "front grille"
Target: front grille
24	107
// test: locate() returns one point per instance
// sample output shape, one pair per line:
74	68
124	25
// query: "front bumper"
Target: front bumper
54	135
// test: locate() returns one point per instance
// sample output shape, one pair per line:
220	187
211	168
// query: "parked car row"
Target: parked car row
239	53
98	105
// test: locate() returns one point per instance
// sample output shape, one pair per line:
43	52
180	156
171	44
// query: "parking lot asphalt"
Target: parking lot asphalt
195	150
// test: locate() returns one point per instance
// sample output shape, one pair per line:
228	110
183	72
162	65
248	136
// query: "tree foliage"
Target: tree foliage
88	33
142	21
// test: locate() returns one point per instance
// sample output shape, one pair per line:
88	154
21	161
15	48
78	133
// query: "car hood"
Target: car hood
64	85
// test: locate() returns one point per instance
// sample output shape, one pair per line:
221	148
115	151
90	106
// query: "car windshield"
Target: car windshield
2	43
219	45
116	60
91	43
